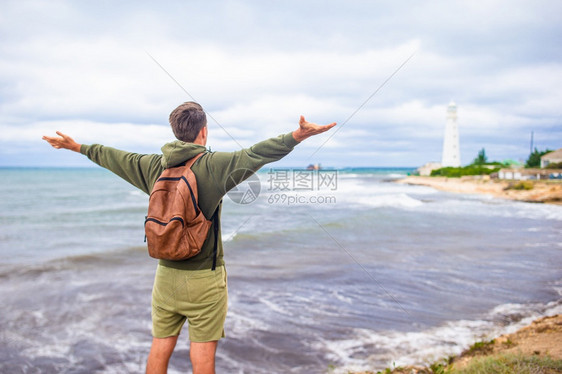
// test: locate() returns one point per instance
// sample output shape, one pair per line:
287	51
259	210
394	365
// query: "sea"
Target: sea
328	271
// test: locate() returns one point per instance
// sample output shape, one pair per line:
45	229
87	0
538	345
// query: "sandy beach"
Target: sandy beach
541	191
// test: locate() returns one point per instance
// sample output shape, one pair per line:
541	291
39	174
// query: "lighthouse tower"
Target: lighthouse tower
451	150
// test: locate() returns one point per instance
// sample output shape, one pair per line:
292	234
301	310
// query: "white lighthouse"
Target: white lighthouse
451	149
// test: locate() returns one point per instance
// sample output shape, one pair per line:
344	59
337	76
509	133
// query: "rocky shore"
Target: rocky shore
529	191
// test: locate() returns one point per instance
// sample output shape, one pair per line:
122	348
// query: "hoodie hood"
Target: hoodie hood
176	152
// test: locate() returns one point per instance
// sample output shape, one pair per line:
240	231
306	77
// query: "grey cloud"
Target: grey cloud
499	59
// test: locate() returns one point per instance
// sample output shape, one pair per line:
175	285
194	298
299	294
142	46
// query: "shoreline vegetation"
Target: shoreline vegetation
534	191
532	349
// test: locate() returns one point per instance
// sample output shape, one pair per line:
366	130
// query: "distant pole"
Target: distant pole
532	133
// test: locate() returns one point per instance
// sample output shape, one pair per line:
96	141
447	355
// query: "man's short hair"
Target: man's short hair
187	120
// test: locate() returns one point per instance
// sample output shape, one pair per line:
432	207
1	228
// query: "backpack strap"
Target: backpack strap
189	163
216	217
216	224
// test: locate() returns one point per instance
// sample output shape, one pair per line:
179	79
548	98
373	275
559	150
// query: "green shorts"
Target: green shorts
200	296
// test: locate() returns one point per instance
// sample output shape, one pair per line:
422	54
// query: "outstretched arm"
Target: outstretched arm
308	129
233	167
62	141
138	169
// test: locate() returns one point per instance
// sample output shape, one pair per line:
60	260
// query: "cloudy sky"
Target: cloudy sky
84	68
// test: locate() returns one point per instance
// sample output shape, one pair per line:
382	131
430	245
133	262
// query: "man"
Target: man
191	290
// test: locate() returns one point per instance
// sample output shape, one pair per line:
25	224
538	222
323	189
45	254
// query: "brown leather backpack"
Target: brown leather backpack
175	227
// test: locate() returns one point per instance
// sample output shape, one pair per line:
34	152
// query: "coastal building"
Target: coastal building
426	169
529	174
451	148
554	157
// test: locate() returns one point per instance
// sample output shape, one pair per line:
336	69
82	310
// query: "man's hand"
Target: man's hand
62	141
308	129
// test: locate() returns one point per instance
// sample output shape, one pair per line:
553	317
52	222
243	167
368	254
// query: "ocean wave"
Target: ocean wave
138	193
378	194
108	211
494	207
264	226
229	236
401	200
350	176
366	349
395	176
73	262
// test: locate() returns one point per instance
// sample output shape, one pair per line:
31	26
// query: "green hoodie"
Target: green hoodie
212	171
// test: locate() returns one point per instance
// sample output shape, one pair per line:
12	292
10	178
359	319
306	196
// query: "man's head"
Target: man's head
187	120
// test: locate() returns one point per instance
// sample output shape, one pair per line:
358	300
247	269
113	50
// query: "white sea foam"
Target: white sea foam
408	348
48	350
360	191
478	206
241	325
229	236
341	297
274	306
350	176
376	194
395	176
393	200
367	350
